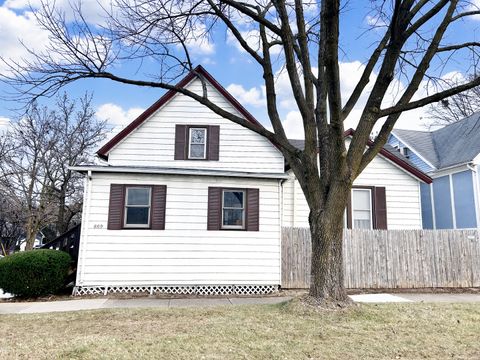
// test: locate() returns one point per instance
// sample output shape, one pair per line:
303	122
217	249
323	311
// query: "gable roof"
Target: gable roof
454	144
387	152
199	70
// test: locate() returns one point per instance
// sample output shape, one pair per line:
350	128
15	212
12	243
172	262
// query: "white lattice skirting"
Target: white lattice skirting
206	290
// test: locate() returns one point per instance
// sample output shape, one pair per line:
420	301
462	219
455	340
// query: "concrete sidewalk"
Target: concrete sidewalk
416	297
92	304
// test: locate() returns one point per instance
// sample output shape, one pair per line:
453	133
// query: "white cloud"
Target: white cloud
93	11
17	28
116	116
474	5
254	96
198	41
208	61
252	38
4	123
293	125
375	21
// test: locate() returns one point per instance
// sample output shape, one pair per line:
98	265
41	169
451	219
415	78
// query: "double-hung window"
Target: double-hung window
137	207
197	144
233	209
362	209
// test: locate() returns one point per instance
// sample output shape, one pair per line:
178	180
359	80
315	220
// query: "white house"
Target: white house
189	202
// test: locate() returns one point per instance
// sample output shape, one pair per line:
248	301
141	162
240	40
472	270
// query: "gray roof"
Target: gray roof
453	144
421	141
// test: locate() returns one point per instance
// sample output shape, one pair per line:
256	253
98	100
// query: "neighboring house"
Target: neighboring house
39	241
187	201
451	156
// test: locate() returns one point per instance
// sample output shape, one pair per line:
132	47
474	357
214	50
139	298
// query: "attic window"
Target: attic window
197	144
406	152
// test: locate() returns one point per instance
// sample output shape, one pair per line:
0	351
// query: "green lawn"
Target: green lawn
287	331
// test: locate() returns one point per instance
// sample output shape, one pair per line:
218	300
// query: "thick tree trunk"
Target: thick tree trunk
327	274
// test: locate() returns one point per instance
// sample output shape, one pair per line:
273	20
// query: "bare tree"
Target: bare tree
454	108
34	172
24	180
415	36
11	226
76	133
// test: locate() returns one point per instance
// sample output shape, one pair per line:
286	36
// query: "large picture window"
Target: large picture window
197	148
233	209
137	207
362	209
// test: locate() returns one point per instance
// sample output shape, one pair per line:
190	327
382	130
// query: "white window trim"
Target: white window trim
190	143
125	225
371	207
234	227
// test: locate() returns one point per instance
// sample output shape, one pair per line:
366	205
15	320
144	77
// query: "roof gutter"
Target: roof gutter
175	171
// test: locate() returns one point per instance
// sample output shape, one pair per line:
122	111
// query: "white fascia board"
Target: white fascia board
476	160
449	170
176	171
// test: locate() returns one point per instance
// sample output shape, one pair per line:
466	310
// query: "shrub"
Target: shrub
34	273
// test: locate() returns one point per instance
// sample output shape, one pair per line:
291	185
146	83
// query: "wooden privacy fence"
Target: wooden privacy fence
390	258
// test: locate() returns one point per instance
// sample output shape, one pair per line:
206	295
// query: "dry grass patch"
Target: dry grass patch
287	331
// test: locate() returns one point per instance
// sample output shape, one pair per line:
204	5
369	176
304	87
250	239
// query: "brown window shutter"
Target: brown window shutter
253	210
159	201
214	216
213	140
115	207
380	208
349	211
180	142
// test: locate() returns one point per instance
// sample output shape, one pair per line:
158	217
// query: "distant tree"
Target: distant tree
75	131
454	108
414	44
11	226
34	172
24	179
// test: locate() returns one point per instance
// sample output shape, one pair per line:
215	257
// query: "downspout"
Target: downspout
476	191
280	212
294	203
420	202
83	230
432	200
452	201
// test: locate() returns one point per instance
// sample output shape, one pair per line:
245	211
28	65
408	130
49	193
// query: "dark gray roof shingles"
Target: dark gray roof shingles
453	144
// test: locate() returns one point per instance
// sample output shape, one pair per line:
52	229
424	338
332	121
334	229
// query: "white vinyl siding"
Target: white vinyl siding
402	195
185	253
153	143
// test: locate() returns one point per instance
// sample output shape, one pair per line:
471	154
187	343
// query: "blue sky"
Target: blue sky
221	57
